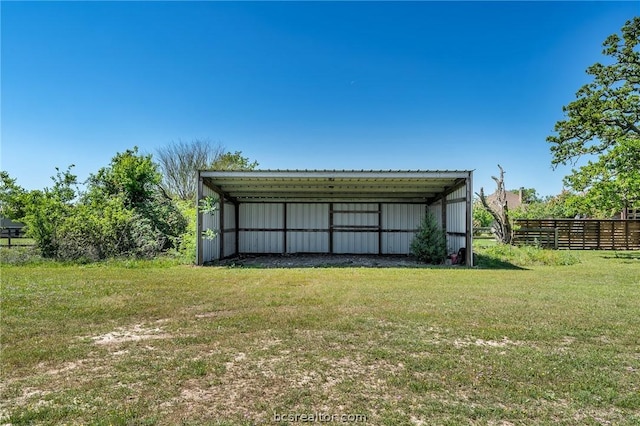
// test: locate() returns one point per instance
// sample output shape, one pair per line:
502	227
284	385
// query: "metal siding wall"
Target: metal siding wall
456	215
210	248
456	212
355	242
396	242
229	224
355	218
436	210
308	216
455	243
457	219
400	217
262	216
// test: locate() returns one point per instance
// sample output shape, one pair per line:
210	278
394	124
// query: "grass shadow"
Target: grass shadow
626	255
315	261
484	261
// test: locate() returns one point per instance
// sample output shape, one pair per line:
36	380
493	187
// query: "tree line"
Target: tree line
134	206
137	206
602	125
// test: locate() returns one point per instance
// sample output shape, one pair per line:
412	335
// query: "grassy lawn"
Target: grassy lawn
144	343
21	242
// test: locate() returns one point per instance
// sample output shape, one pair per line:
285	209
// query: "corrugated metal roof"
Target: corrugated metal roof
8	223
334	170
333	185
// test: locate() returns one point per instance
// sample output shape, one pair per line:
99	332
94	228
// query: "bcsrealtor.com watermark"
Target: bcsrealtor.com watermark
319	418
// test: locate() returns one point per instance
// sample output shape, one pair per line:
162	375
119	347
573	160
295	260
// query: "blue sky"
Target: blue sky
322	85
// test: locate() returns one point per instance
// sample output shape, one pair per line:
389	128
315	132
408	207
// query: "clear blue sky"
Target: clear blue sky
323	85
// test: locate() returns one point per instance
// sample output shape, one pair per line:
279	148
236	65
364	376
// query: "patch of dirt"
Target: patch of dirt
322	261
460	343
131	334
284	374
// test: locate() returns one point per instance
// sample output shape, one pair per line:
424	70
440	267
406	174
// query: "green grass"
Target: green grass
17	242
130	342
503	255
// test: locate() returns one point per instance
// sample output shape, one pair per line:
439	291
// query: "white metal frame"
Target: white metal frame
448	194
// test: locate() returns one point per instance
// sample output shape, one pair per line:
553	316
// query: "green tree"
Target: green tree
529	195
430	242
121	213
45	211
131	175
96	230
12	197
567	204
562	206
604	121
133	179
233	161
482	218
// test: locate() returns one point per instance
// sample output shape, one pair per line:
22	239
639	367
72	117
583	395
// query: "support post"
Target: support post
443	213
221	198
236	207
626	233
199	248
284	228
469	230
379	229
330	228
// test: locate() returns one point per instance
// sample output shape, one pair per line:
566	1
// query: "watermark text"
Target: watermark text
319	418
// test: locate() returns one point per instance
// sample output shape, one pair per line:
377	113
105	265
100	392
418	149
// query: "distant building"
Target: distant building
630	213
514	200
9	228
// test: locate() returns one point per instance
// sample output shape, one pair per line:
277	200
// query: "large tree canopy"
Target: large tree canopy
604	121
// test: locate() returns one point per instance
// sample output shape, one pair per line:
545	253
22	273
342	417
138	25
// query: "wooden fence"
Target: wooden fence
15	237
579	234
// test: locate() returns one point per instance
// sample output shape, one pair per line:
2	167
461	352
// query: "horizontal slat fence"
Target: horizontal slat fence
15	237
579	234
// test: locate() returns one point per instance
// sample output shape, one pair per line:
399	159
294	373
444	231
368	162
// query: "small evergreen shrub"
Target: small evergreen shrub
430	243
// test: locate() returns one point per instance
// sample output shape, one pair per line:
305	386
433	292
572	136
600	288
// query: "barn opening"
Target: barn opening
330	211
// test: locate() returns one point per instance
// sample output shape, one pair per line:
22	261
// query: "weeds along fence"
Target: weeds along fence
579	234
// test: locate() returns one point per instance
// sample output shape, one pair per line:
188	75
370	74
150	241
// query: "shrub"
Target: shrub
122	213
21	256
96	231
107	228
430	243
44	211
186	242
501	255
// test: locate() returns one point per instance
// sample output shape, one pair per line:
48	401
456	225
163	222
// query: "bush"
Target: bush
430	243
123	213
503	255
107	228
186	242
21	256
96	231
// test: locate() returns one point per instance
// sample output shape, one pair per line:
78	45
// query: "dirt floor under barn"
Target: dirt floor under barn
322	261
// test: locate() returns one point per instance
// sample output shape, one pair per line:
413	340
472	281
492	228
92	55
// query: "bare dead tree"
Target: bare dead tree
179	162
499	209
